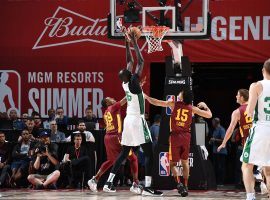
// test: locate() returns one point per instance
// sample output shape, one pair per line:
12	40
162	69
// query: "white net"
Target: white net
154	36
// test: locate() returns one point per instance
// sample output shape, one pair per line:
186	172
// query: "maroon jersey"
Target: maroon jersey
112	118
181	117
245	123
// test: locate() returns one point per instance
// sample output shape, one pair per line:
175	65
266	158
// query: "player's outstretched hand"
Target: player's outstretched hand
221	147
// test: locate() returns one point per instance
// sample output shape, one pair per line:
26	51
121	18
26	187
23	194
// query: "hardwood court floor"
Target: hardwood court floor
119	195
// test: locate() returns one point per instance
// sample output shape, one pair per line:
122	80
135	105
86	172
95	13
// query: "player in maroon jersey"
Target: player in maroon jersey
181	119
113	122
239	116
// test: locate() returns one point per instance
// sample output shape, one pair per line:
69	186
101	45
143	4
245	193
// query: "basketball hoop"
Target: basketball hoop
154	36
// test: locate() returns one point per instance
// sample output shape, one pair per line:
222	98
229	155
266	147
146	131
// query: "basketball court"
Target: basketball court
120	194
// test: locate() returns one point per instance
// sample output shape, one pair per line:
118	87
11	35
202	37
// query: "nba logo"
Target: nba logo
169	98
10	87
164	164
118	25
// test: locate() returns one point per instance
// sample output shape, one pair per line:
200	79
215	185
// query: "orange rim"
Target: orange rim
157	31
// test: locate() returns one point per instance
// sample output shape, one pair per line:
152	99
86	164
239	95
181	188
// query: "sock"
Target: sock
250	196
185	182
111	177
177	179
148	180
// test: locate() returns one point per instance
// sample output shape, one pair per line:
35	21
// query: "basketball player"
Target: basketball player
136	132
257	147
113	122
239	116
181	119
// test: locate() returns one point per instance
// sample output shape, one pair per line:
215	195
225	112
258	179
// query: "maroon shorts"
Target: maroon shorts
179	146
113	146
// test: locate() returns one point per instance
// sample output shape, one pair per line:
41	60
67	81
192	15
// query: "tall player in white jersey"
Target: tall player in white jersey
257	147
135	131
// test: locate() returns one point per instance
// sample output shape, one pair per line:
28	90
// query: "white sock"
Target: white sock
250	196
111	177
148	181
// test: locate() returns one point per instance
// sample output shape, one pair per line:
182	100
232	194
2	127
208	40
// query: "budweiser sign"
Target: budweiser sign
68	27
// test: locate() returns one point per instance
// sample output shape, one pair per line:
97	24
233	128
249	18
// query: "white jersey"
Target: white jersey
136	131
135	102
262	109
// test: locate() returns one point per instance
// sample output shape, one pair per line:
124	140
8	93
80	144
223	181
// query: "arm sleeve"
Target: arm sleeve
134	85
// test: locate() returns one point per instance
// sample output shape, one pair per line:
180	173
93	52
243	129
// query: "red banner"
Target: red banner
60	53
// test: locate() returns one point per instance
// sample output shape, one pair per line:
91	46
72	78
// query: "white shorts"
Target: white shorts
257	147
135	131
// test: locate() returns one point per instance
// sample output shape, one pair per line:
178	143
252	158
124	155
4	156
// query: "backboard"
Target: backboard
187	19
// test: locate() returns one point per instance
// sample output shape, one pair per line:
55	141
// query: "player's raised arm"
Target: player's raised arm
140	60
123	101
157	102
202	110
129	57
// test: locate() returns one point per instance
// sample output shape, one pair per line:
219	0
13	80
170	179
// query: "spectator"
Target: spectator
219	158
33	131
4	159
37	120
154	129
89	116
79	160
3	115
56	136
51	116
86	135
61	119
24	119
146	116
21	158
45	164
13	116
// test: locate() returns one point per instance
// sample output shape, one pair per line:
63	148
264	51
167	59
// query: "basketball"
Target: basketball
136	31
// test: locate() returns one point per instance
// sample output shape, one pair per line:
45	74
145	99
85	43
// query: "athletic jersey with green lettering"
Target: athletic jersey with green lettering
135	102
262	109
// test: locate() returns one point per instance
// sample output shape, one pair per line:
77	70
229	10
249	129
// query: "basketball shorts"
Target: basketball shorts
179	146
113	146
257	147
135	131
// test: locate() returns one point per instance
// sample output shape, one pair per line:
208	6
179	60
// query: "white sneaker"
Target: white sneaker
135	188
92	183
263	187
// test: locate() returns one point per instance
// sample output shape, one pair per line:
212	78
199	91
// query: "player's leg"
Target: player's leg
108	187
266	172
135	188
113	148
148	152
249	181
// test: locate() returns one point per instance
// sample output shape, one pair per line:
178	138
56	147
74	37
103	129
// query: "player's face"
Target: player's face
238	98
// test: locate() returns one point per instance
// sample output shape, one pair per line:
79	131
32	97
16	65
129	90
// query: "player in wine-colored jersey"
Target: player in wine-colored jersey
239	116
181	119
113	122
